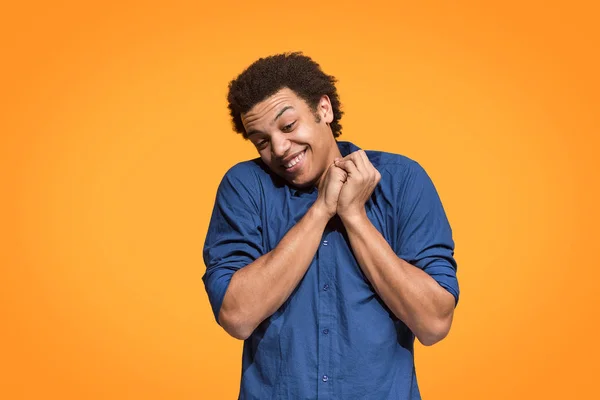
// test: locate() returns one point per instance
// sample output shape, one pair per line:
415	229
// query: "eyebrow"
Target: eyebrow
284	109
279	114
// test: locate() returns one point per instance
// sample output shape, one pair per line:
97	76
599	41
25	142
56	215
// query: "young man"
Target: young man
326	259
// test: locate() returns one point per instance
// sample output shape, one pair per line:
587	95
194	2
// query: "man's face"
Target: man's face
293	140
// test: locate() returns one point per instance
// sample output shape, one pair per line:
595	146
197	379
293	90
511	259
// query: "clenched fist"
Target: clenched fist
362	178
330	187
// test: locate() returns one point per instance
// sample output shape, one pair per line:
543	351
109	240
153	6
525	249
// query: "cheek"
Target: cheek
265	156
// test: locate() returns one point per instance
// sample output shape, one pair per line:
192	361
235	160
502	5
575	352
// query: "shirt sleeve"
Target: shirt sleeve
425	237
234	237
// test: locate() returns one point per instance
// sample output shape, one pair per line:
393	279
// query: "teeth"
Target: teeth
294	161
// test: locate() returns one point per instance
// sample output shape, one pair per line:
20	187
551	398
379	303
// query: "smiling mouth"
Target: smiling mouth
295	162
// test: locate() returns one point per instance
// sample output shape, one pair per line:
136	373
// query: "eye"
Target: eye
288	127
261	144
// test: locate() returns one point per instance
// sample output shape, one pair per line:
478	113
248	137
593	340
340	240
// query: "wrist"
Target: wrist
353	216
319	210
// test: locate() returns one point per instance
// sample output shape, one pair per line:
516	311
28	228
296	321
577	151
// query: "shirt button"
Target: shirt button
326	287
325	243
325	331
325	378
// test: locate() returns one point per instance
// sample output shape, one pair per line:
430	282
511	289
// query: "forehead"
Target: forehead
268	108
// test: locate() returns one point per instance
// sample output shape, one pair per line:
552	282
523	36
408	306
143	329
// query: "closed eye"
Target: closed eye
288	127
261	144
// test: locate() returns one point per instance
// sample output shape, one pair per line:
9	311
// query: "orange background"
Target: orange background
115	135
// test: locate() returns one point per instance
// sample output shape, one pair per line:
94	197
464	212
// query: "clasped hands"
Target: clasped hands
348	184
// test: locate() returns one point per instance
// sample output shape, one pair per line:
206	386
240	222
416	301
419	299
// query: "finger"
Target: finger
349	166
364	158
329	169
354	156
370	169
334	171
339	173
360	162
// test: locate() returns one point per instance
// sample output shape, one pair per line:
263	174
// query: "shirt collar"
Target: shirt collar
347	147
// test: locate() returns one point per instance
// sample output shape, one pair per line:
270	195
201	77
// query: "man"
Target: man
326	259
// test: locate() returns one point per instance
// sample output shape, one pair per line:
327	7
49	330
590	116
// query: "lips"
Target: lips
292	162
293	165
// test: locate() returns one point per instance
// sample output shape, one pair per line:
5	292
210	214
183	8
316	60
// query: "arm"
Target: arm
257	289
412	294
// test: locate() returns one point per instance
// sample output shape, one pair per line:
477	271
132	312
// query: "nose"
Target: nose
280	145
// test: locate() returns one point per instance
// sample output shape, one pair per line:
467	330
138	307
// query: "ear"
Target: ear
324	109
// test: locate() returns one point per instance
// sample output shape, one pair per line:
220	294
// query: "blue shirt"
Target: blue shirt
333	338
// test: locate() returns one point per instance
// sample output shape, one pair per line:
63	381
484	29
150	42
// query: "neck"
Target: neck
333	154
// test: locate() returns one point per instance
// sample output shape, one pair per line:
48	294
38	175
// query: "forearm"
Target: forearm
410	293
256	291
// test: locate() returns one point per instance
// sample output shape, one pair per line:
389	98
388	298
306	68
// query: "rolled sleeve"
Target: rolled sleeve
234	237
425	237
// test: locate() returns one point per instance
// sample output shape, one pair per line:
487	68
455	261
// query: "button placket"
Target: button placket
326	317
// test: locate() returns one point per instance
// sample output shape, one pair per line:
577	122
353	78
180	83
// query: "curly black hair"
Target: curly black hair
268	75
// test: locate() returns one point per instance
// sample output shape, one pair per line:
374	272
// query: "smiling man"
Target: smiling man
325	259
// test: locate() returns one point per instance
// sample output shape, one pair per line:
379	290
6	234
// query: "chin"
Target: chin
299	182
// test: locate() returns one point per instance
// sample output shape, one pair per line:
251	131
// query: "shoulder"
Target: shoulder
245	179
251	173
386	163
395	165
244	170
403	177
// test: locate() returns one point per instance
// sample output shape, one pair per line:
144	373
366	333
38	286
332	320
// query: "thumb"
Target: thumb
340	173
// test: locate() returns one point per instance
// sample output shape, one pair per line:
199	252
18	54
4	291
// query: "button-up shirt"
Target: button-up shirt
334	337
